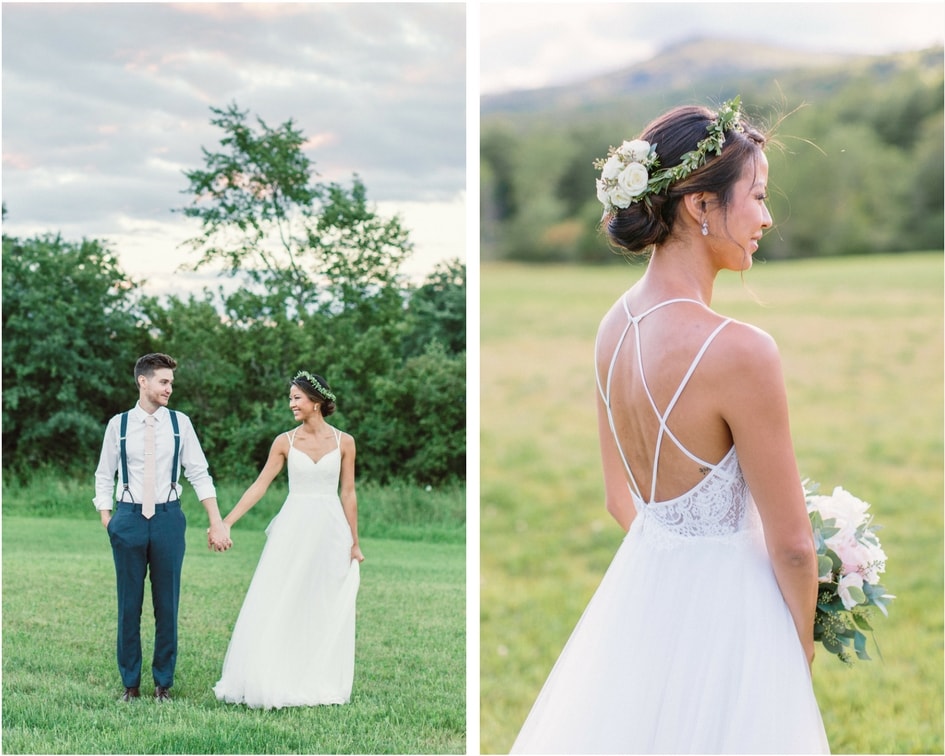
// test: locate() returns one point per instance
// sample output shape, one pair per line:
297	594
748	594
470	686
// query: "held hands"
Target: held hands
218	537
356	553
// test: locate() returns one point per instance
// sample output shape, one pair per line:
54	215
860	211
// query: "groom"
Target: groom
146	447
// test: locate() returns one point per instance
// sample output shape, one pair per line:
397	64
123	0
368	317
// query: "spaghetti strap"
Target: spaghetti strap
291	436
605	395
664	431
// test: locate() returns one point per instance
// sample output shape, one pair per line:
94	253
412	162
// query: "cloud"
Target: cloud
105	104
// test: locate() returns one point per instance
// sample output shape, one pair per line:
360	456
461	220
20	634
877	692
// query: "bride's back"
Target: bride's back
645	350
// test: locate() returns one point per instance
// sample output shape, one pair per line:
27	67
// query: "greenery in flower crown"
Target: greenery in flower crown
630	172
315	383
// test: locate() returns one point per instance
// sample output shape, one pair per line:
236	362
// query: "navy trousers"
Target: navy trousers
142	546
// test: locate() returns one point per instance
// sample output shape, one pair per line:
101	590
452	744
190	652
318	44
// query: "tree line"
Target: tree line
856	168
320	290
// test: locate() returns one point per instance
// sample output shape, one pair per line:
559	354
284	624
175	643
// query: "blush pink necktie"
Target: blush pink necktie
147	498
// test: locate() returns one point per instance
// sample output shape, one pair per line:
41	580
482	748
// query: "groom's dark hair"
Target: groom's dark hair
147	364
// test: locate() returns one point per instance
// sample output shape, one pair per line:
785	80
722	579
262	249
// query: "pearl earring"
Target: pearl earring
705	227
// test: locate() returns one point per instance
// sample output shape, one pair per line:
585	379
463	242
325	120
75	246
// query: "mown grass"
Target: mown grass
861	340
60	681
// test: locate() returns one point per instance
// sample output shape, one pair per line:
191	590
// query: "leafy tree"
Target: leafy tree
70	339
437	310
925	200
330	299
418	424
263	213
498	148
358	252
249	198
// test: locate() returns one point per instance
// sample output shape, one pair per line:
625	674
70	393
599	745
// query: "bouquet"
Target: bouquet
850	560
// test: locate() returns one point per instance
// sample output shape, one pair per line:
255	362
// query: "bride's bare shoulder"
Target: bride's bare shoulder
745	350
616	314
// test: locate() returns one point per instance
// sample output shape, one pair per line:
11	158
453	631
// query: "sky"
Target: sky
530	45
105	105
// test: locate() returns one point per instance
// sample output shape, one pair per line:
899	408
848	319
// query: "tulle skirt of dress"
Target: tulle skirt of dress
293	643
686	647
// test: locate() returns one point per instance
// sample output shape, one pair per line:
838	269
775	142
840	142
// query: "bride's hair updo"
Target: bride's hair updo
645	224
317	389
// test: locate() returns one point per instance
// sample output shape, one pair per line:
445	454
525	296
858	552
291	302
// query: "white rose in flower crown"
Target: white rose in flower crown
603	193
619	198
612	167
635	151
633	179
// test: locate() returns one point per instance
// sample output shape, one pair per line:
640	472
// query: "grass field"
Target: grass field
397	511
862	344
61	684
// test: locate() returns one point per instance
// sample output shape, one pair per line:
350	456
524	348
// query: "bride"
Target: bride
293	643
699	638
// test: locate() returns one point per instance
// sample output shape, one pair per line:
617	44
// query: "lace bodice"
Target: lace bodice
720	505
311	478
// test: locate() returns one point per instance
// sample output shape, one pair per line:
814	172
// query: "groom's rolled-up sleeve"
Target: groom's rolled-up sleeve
107	468
194	462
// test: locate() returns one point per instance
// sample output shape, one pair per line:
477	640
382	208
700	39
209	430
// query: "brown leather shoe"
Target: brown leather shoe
162	694
130	694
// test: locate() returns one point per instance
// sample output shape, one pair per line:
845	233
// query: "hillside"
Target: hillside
696	69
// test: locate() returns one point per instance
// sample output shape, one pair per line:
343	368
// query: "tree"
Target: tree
70	338
437	310
328	300
262	213
418	424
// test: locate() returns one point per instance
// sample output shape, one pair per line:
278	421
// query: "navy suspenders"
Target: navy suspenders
174	463
124	455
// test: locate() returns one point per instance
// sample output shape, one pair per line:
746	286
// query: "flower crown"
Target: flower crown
315	383
629	172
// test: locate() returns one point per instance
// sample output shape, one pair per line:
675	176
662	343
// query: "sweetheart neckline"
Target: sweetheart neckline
309	458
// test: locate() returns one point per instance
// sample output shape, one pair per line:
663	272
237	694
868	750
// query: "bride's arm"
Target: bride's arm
349	498
616	492
273	466
756	409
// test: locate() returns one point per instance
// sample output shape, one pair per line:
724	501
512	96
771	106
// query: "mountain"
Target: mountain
688	68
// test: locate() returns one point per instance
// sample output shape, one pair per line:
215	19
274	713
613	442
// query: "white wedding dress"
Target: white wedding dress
687	646
293	643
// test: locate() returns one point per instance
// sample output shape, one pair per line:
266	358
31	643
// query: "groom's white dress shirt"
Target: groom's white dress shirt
193	463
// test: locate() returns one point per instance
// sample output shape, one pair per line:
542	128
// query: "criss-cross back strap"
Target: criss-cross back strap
664	429
605	396
634	322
